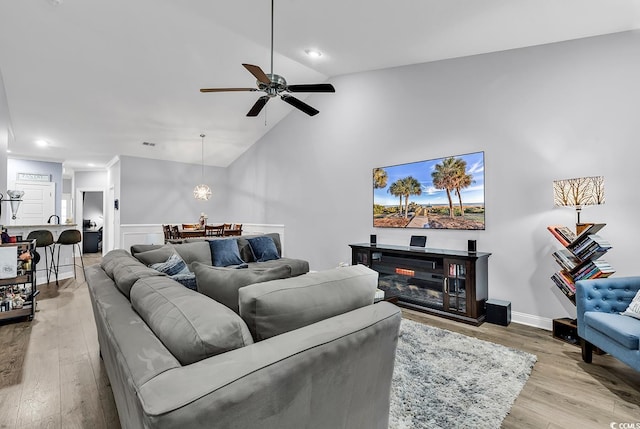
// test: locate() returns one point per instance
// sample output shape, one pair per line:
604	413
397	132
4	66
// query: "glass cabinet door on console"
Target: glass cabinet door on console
456	286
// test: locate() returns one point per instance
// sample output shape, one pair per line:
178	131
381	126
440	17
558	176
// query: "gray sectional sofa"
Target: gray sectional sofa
308	351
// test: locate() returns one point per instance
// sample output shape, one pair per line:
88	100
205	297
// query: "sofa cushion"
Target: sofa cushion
298	266
196	251
624	330
263	248
192	326
279	306
225	252
110	260
128	271
156	255
139	248
222	284
634	307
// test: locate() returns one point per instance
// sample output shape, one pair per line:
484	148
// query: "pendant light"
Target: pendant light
202	192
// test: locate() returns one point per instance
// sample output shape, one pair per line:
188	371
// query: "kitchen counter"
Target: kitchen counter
43	226
63	253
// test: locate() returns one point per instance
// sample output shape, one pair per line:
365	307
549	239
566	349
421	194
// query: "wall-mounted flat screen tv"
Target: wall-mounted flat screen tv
443	193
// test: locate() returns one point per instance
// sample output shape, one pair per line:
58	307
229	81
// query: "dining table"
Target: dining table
190	233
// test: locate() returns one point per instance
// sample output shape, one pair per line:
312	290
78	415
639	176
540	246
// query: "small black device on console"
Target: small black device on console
418	241
471	245
373	240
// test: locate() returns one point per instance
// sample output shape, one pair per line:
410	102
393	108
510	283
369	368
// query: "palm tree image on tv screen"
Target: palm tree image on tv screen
443	193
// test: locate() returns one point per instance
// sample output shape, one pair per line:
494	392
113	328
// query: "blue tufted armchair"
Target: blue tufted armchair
599	303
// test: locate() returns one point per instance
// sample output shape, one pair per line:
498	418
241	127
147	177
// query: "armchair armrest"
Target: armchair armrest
610	295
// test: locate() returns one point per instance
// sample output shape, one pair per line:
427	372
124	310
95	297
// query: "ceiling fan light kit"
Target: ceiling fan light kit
274	85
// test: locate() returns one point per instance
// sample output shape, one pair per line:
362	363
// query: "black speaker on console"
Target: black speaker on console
373	239
471	245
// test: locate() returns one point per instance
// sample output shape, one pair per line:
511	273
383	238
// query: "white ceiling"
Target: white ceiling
95	78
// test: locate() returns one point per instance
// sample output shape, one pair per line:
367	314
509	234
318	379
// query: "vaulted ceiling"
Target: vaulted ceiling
95	79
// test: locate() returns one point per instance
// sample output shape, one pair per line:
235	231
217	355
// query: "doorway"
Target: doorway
90	211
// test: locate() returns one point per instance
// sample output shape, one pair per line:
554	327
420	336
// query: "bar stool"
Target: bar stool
44	239
69	237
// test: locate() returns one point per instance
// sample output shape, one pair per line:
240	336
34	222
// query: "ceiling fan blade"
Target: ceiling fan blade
257	108
258	73
226	89
300	105
313	87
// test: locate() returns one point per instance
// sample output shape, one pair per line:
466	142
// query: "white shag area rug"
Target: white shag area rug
443	379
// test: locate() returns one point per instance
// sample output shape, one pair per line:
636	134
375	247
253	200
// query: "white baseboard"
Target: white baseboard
531	320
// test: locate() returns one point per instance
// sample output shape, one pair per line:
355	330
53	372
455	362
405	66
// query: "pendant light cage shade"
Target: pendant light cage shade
202	192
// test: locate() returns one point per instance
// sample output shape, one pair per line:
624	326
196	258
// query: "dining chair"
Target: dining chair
167	232
214	230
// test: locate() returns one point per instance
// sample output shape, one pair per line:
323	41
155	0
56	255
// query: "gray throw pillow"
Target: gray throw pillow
263	248
190	325
155	256
222	284
279	306
225	252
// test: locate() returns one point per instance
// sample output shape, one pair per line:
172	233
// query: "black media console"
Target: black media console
448	283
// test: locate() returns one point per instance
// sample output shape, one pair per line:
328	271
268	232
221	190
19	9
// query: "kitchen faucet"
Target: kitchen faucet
57	217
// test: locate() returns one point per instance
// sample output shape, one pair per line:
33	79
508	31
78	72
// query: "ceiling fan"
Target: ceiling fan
274	85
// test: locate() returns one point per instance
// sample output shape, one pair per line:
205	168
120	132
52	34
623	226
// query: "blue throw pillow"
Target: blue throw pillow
172	266
263	248
225	252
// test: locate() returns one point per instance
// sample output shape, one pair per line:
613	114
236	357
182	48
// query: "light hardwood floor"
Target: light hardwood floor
51	375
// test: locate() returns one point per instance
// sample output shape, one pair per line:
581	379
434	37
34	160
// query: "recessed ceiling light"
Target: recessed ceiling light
313	53
91	164
41	143
8	151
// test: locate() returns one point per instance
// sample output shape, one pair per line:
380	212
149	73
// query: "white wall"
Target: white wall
53	169
542	113
161	192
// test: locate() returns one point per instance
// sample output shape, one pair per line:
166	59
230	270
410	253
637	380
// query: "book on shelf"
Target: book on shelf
592	228
562	233
568	238
564	283
593	269
590	247
566	259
